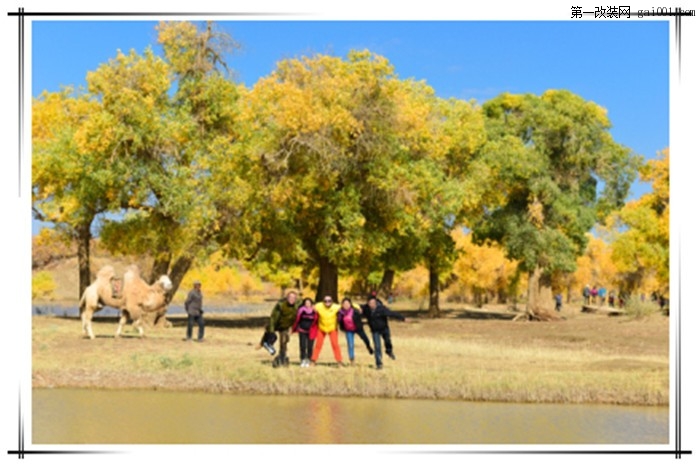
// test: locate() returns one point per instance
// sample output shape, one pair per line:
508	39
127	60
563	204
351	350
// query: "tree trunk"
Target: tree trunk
434	306
539	291
84	237
539	297
161	263
544	293
327	280
477	293
177	273
387	283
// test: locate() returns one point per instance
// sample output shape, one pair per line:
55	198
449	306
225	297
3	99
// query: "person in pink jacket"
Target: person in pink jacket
350	322
306	324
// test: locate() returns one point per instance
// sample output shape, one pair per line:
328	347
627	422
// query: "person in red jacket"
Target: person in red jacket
306	324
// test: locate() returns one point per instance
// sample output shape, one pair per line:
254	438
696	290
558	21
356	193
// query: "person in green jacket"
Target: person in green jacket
281	320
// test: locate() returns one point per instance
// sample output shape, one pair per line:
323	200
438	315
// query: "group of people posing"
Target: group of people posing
316	321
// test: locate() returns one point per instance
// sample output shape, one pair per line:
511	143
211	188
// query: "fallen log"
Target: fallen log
537	315
610	311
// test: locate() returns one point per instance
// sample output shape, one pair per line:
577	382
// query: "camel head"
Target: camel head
165	282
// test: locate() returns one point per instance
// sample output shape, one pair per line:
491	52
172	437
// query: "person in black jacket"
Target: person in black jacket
350	321
193	307
377	316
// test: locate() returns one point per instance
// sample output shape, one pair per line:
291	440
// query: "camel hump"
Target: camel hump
132	279
132	273
106	273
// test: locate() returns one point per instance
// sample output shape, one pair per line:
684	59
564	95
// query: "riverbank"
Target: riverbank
586	358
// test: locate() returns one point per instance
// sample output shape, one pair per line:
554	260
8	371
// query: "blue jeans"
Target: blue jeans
377	337
190	324
350	337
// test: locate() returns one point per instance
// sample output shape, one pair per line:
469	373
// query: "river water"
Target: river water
83	416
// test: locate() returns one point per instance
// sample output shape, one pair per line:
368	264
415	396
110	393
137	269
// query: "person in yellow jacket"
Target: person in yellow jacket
327	326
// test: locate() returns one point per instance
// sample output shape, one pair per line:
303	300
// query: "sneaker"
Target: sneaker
379	367
391	355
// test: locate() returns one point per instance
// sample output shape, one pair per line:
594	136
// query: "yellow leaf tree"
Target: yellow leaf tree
641	245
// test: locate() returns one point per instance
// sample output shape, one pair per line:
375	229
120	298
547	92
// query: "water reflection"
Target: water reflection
77	416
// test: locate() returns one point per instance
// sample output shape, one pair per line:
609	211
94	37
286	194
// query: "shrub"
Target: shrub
636	308
43	285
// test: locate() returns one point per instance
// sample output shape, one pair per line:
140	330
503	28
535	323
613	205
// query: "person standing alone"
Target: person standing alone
193	307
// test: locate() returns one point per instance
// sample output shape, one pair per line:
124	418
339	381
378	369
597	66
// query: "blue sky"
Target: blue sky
622	66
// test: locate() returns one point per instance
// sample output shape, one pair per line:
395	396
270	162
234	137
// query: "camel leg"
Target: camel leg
87	324
122	322
139	325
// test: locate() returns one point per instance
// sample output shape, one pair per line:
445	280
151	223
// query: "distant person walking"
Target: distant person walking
587	295
193	307
281	320
601	294
557	302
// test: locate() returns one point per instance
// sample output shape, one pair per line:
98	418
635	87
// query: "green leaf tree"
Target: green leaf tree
169	116
140	145
325	136
72	181
556	170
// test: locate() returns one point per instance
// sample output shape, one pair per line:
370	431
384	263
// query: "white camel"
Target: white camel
136	299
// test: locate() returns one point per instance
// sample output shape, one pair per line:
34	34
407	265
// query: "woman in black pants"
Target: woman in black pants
306	324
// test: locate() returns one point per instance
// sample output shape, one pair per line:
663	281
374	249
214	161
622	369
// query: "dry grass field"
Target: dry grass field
585	358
